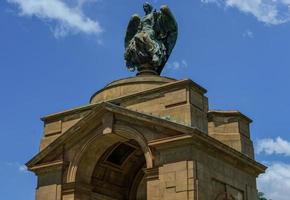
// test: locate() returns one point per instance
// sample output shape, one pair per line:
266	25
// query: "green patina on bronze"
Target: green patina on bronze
149	41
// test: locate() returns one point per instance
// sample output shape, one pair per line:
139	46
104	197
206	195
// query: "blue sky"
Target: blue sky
54	54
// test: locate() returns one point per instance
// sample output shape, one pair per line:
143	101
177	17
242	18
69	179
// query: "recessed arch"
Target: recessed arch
82	166
120	169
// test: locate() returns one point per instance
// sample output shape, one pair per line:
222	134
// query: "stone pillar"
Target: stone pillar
49	185
172	181
231	128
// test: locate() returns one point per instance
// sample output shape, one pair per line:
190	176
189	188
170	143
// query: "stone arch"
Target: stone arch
119	173
131	133
82	165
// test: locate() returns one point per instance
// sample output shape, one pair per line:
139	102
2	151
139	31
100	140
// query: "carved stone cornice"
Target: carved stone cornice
70	188
45	167
152	173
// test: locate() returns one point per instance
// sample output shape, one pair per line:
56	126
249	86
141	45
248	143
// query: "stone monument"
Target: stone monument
147	137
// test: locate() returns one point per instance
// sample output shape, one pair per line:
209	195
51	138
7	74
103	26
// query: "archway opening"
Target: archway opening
119	175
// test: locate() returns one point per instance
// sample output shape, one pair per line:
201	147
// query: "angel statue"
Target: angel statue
149	41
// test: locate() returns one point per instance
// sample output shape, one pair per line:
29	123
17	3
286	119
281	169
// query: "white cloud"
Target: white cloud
212	1
248	34
273	146
69	19
22	168
176	65
275	183
16	165
268	11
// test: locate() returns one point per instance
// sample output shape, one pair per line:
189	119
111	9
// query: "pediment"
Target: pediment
160	132
104	116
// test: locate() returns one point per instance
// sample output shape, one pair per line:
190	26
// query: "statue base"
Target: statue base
146	70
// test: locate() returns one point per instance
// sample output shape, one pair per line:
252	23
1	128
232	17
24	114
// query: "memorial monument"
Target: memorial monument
148	136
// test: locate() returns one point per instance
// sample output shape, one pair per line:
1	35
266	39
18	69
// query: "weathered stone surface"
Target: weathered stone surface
157	141
231	128
127	86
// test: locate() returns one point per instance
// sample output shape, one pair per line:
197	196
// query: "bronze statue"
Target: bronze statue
149	41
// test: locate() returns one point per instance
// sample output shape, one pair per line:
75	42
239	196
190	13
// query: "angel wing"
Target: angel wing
132	28
167	31
169	28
